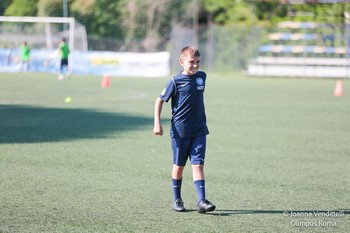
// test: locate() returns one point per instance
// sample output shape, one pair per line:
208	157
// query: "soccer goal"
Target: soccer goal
42	32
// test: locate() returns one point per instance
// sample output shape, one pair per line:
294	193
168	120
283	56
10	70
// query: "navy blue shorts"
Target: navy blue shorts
64	62
188	148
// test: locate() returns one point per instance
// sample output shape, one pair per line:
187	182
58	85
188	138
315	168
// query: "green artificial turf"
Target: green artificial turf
278	156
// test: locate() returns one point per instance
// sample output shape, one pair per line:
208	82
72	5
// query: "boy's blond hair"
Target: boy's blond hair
189	51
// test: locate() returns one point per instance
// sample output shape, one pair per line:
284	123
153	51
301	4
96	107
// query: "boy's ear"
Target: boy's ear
181	61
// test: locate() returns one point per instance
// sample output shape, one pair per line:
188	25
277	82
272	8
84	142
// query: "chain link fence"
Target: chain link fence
223	48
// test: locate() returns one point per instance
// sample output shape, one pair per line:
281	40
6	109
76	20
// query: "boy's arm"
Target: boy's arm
158	129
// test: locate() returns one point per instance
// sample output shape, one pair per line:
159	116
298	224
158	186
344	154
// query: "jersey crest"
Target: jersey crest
200	83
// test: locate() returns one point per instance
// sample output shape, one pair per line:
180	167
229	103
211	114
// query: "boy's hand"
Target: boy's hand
158	130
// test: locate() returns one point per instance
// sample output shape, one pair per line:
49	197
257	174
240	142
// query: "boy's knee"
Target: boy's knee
197	166
178	168
177	171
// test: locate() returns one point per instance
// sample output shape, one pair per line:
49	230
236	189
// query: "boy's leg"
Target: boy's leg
199	182
178	204
198	171
177	180
197	155
179	147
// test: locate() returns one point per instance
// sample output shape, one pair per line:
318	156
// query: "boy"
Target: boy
188	126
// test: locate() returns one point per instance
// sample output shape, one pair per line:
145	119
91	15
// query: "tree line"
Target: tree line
151	21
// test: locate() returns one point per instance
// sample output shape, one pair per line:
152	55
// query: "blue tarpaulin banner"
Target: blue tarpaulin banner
121	64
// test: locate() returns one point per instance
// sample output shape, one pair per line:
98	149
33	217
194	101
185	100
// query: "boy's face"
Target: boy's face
190	64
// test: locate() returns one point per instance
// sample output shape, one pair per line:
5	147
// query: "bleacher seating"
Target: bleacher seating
305	42
300	49
292	36
297	25
301	45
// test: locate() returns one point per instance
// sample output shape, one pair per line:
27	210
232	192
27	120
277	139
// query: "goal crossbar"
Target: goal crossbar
26	19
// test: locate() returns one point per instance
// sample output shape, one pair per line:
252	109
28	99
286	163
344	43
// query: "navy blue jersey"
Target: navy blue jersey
187	104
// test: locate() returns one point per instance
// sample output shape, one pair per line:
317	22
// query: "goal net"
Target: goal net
43	35
41	32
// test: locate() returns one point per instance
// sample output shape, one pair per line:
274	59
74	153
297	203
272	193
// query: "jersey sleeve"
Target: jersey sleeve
169	91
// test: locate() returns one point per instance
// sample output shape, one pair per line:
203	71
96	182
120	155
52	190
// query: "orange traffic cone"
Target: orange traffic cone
338	90
106	83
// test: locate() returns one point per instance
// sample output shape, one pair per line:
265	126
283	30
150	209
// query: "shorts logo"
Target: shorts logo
198	147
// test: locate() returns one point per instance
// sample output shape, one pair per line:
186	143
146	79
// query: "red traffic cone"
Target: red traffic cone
105	83
338	90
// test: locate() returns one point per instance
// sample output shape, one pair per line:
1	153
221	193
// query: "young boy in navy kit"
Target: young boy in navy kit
188	126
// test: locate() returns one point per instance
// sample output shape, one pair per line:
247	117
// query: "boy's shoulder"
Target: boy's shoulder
200	73
181	76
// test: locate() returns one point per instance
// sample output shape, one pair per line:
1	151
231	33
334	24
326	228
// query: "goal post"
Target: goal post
46	21
42	30
43	35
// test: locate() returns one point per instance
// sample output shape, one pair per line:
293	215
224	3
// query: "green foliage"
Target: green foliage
101	18
223	11
322	13
82	7
83	11
149	23
330	13
22	8
181	12
242	14
4	4
107	21
52	8
265	10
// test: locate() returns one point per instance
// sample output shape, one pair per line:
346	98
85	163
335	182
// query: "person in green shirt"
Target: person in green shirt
25	56
64	52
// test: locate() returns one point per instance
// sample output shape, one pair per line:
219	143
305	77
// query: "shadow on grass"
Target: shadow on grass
285	213
31	124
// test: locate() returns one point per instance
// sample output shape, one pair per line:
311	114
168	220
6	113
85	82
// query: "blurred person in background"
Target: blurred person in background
64	54
25	56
